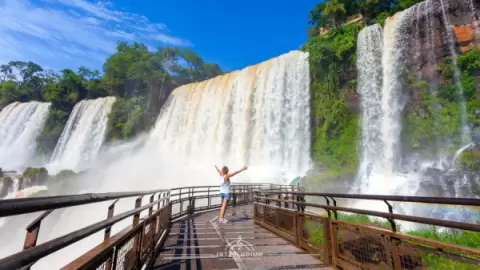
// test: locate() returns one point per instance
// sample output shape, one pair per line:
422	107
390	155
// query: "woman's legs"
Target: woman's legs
223	208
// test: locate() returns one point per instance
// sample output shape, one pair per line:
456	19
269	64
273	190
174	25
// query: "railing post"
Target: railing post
160	203
234	199
298	228
327	242
208	198
180	200
110	212
150	209
32	233
138	239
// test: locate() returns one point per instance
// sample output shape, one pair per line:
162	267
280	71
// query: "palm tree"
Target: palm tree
333	9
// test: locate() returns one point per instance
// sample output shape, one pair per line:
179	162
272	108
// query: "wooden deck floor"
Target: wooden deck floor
201	242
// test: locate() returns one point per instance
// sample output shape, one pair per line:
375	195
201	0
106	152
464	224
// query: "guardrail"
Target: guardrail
134	246
364	246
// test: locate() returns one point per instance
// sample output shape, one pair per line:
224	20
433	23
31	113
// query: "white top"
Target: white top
224	187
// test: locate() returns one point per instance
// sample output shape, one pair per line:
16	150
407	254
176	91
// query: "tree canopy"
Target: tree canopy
140	79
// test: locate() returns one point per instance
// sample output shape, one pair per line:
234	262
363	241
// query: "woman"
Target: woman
225	189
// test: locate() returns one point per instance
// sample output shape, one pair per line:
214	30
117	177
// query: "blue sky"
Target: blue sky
71	33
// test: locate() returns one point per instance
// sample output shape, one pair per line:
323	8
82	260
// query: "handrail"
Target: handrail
423	220
360	244
416	199
33	252
12	207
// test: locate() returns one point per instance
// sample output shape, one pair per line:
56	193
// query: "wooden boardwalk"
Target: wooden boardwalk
200	242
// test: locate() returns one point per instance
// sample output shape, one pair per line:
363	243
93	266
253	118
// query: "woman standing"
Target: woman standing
225	189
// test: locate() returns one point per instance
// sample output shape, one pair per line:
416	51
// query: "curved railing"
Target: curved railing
343	241
134	246
336	239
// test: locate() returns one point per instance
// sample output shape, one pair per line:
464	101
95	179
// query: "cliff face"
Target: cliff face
468	36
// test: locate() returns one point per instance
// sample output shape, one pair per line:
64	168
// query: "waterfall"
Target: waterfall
465	133
258	116
369	66
83	135
20	124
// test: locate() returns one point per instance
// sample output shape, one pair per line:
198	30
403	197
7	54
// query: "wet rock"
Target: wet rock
6	183
34	176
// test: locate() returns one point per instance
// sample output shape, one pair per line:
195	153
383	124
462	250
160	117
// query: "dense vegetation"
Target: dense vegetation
332	49
141	80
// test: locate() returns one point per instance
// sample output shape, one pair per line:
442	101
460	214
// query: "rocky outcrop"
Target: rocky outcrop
353	101
34	177
6	184
468	36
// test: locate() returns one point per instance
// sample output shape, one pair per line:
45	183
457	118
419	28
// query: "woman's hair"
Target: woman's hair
225	169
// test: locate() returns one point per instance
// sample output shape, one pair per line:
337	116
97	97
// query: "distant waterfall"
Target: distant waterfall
83	135
20	124
258	116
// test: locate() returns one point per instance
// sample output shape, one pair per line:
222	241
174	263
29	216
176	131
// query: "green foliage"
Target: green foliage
462	238
47	139
127	118
140	79
434	120
470	160
332	58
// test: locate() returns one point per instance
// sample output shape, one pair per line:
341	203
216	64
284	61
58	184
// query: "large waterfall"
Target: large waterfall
20	124
258	116
381	64
408	50
83	135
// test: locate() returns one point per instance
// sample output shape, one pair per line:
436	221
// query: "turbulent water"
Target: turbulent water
83	135
369	66
258	116
20	124
381	63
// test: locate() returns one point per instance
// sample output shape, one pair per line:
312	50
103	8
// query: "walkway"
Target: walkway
200	242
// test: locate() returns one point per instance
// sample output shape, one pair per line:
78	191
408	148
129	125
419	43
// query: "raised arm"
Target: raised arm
237	172
219	172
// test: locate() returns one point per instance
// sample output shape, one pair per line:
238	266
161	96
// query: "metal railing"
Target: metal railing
371	245
134	246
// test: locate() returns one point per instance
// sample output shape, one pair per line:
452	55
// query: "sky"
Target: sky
71	33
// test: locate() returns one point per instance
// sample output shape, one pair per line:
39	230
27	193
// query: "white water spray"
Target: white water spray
257	116
369	66
20	124
83	135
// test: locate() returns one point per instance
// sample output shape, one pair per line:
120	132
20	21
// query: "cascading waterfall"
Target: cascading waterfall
258	116
20	124
83	135
465	132
369	66
382	101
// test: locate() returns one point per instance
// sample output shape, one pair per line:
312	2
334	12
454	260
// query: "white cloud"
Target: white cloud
71	33
170	40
